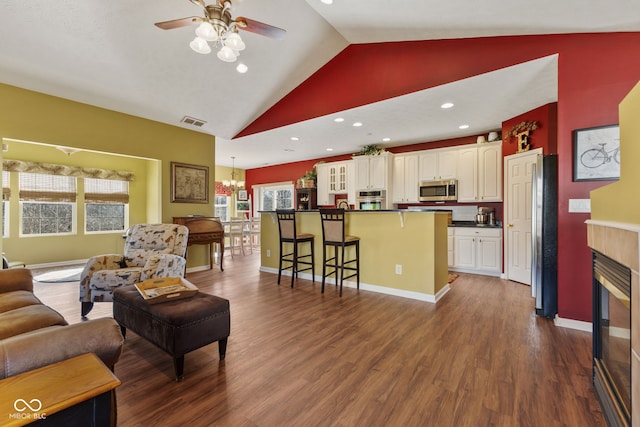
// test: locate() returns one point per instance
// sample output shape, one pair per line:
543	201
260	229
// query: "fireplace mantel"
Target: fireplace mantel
621	242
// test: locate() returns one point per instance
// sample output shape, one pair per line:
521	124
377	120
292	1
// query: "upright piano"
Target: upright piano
204	231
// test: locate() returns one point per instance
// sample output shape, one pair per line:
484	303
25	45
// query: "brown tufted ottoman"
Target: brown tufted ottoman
177	327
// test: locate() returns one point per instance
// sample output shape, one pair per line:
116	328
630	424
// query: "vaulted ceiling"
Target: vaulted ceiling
109	54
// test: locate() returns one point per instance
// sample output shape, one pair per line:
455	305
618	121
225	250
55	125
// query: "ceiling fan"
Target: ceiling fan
217	26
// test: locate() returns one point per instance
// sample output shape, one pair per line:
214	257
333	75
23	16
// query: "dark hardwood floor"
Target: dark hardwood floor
295	357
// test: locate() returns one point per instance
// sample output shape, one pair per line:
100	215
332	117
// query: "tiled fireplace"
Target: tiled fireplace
616	249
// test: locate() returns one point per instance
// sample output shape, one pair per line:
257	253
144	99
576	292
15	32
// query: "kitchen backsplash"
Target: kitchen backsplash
460	213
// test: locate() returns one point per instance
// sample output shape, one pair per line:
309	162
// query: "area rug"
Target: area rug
57	276
451	278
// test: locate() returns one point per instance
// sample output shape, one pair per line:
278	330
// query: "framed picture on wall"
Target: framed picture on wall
596	153
242	195
189	183
243	207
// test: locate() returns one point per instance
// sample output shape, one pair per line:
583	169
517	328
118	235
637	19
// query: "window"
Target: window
106	204
275	196
47	203
222	207
6	193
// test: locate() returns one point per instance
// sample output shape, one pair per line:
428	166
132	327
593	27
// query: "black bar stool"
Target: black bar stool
289	234
333	234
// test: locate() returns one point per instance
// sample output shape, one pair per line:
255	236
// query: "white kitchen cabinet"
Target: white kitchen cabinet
468	174
405	178
322	182
480	173
439	164
490	172
450	247
338	177
372	172
477	250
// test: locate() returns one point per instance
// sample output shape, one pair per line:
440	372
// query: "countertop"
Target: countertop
454	224
472	224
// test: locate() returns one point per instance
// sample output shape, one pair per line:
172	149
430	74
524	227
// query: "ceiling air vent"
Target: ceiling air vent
192	121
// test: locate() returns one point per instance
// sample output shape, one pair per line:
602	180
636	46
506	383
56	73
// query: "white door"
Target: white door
518	209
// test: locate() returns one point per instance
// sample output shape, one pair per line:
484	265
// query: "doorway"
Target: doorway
518	209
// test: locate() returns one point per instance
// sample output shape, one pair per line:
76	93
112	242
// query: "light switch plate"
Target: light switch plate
580	205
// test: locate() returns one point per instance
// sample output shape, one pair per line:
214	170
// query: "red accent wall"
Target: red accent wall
595	71
544	137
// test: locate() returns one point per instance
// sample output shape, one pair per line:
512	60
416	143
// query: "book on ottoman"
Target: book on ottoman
166	289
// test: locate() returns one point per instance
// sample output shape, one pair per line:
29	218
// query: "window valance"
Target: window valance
77	171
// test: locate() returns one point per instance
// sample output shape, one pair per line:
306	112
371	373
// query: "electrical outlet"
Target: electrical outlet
268	252
398	268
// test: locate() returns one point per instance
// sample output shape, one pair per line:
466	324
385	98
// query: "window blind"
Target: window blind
37	187
105	191
6	185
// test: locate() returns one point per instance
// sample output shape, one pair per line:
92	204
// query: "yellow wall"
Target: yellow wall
620	201
38	249
32	116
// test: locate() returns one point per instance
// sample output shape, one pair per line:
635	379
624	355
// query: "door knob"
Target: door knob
510	225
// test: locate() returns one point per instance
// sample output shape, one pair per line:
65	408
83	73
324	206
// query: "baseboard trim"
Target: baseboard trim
57	264
371	288
573	324
198	268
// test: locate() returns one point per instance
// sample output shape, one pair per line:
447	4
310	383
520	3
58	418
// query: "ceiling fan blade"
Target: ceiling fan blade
261	28
177	23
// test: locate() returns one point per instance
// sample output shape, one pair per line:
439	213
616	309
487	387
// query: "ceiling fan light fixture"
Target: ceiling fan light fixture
234	41
205	31
200	45
227	54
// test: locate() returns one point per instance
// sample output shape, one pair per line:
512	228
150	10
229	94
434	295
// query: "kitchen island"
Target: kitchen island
402	252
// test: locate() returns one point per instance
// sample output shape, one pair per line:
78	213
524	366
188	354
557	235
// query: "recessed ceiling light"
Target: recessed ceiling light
327	1
242	68
447	105
386	139
295	138
357	124
338	120
463	127
329	149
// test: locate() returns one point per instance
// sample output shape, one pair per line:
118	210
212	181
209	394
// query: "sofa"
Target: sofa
33	335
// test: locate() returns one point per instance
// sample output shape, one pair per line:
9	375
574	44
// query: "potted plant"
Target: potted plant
308	180
370	150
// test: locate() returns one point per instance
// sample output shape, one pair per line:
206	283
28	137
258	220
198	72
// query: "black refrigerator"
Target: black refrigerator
544	238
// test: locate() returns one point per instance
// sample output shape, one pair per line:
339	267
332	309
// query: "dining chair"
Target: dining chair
237	234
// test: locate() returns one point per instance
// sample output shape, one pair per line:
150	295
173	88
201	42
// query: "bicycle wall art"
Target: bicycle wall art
596	153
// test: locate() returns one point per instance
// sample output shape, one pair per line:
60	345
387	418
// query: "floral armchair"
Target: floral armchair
150	250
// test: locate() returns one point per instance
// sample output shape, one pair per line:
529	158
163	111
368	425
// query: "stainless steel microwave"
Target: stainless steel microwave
436	191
